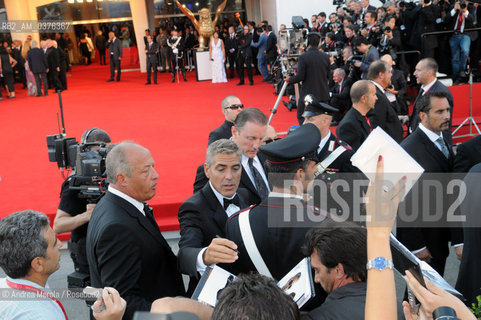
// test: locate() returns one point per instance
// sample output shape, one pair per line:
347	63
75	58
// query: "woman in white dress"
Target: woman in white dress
217	56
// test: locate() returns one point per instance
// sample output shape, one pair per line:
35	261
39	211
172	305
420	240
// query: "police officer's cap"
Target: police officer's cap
313	107
300	145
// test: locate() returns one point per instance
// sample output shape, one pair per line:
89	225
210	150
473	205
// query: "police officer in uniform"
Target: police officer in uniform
290	165
334	159
73	213
176	45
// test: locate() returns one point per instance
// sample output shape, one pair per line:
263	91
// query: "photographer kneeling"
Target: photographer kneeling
74	210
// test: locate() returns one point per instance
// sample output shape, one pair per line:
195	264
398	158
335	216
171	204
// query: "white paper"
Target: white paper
218	280
397	162
297	283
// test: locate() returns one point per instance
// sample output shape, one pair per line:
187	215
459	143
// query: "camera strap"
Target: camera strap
250	244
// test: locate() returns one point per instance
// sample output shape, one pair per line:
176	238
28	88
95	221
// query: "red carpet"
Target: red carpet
172	120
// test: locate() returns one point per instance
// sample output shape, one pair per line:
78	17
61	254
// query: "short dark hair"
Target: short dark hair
425	100
339	242
313	40
373	14
360	40
21	241
278	173
254	296
251	114
264	27
330	35
322	14
376	68
359	88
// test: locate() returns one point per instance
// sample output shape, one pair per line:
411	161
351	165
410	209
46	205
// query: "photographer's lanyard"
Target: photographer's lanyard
368	49
23	287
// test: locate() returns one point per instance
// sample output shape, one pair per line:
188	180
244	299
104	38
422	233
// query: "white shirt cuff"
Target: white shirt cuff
453	12
459	244
200	261
419	250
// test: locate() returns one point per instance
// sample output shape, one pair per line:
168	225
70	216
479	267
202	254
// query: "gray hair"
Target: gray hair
117	162
226	102
33	44
341	72
223	146
21	241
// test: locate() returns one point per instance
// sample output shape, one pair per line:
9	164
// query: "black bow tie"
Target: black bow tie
228	202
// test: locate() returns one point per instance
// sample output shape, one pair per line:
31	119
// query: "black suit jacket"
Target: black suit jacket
386	117
427	154
343	162
222	132
125	250
201	219
414	119
353	128
313	71
271	50
468	155
424	21
53	59
230	43
37	61
244	46
342	99
115	49
152	52
252	196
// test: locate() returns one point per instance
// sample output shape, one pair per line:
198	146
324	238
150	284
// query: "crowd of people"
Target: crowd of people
251	182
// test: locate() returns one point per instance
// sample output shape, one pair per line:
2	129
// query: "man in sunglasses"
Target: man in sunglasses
231	106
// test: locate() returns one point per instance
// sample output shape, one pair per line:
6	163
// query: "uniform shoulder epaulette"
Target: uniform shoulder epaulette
344	144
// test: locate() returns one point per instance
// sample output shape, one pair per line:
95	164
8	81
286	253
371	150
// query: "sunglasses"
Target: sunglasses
269	140
235	106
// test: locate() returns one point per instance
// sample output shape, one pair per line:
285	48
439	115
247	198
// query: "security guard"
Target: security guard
275	228
334	163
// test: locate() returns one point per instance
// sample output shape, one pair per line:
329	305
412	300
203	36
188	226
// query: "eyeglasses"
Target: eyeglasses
235	106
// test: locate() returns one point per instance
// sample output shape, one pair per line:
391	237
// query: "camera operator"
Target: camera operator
369	55
313	71
73	213
372	30
390	40
459	19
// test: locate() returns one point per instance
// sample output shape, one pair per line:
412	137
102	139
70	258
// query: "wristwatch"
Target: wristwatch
379	263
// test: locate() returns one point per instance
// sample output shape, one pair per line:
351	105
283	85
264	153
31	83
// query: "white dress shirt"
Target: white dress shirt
139	205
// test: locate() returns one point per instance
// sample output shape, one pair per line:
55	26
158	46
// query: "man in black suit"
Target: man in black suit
231	50
115	54
37	62
231	106
244	56
125	248
430	149
20	66
151	51
203	216
425	74
53	61
356	126
340	93
458	20
248	132
100	45
424	21
63	58
313	70
271	49
468	154
385	116
397	90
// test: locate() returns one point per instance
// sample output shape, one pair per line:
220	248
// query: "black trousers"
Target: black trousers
8	78
102	56
114	64
231	59
53	75
240	68
37	77
173	66
151	65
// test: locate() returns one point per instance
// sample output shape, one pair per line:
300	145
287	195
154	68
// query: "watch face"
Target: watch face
380	263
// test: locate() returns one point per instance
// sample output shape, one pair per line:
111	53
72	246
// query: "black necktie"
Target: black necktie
149	214
259	182
228	202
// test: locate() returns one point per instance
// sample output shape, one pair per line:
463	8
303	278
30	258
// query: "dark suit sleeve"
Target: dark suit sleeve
191	238
200	179
214	136
301	71
348	134
118	256
44	61
462	162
